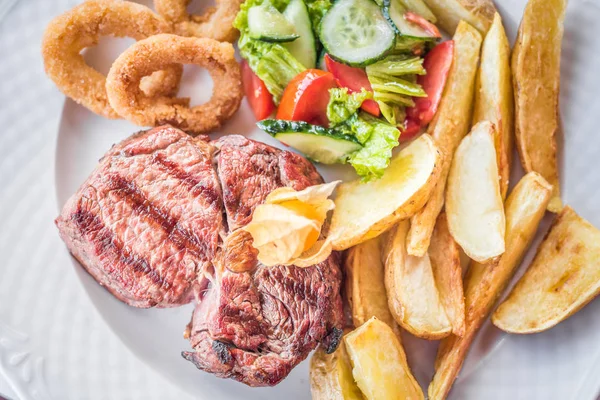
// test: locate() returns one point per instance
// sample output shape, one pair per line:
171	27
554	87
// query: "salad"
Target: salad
344	81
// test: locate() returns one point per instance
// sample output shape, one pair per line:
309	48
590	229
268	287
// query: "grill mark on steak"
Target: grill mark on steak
129	192
88	223
195	185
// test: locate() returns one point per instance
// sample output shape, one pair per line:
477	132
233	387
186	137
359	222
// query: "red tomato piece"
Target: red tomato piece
410	130
437	63
355	79
422	23
258	96
306	97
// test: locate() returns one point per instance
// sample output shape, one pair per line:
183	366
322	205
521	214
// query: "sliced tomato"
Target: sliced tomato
437	63
355	79
422	23
306	97
259	98
410	130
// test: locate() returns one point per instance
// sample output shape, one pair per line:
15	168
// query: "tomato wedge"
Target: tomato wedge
355	79
422	23
306	97
437	63
258	96
410	130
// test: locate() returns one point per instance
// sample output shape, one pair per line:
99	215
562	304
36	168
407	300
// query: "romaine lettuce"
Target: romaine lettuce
271	62
343	104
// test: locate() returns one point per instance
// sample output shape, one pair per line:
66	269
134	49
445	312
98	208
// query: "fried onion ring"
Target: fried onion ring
81	27
160	51
216	23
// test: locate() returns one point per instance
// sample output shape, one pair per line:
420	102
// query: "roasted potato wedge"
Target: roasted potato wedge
494	100
448	127
379	366
450	13
474	203
365	210
444	254
413	297
536	80
563	277
484	283
365	287
331	376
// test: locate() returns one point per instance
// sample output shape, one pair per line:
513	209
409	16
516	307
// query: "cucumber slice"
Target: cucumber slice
320	144
304	49
394	10
355	32
268	24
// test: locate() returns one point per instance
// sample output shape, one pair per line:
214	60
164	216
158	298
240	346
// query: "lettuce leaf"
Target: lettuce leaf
370	161
271	62
342	105
316	10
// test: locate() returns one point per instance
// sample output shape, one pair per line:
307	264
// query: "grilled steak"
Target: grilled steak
152	224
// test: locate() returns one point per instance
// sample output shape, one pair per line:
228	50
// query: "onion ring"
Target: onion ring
81	27
216	23
160	51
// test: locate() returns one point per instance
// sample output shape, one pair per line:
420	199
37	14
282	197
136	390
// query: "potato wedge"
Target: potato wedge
331	376
474	204
448	127
444	254
413	297
365	210
379	368
450	13
365	287
494	100
484	283
536	80
563	277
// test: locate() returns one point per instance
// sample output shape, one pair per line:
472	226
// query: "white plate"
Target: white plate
40	297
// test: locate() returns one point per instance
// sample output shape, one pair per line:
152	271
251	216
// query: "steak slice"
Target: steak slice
256	326
148	221
154	222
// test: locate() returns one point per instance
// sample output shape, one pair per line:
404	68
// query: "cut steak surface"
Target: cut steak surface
154	224
149	219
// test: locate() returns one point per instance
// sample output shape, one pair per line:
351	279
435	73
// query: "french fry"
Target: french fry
450	13
444	254
413	297
494	100
365	210
448	127
484	283
536	80
474	204
331	376
365	287
379	368
563	277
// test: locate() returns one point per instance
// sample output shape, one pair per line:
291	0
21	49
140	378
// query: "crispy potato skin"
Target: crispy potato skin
474	205
444	254
494	99
478	13
379	366
563	277
413	297
536	80
331	376
365	287
365	210
448	127
484	283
